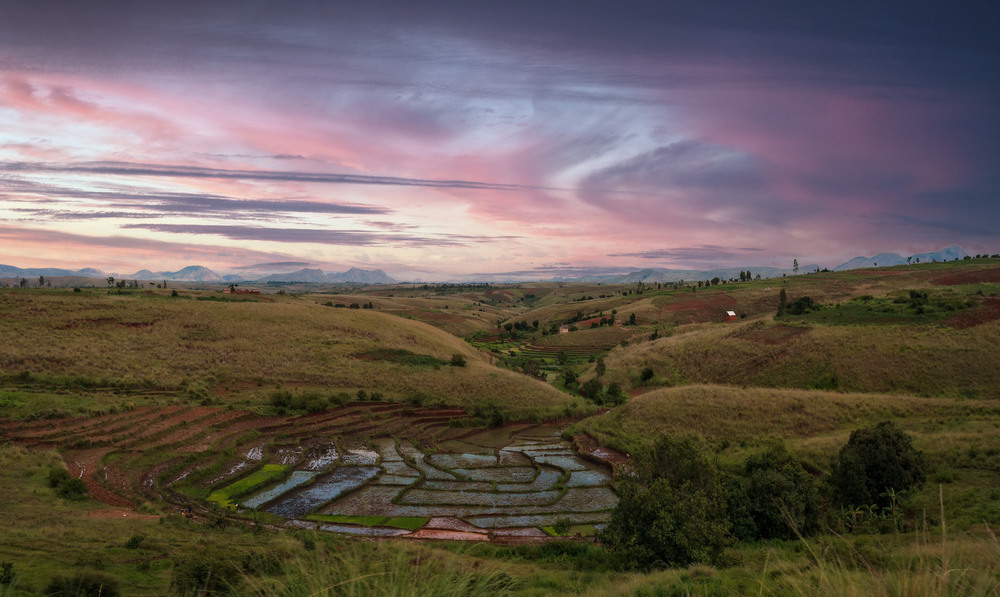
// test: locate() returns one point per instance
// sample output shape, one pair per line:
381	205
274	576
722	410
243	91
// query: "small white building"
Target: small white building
730	315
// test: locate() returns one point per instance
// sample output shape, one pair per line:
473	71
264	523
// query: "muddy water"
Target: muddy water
516	478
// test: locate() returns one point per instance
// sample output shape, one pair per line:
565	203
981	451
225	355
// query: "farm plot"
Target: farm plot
339	470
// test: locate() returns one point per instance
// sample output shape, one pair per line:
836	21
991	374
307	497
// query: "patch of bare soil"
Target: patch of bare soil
989	310
588	447
979	276
703	310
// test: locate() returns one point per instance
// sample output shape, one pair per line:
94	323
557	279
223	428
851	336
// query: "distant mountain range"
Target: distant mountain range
653	275
886	259
197	273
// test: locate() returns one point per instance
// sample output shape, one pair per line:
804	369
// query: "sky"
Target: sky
494	140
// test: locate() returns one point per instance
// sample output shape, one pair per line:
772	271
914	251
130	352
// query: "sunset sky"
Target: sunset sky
491	140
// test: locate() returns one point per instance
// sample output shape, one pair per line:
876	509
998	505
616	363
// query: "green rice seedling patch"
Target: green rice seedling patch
266	474
294	480
400	356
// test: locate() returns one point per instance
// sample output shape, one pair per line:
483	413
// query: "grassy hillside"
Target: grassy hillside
917	360
238	352
959	437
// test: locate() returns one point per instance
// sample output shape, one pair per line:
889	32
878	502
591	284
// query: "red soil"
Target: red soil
987	312
991	275
702	310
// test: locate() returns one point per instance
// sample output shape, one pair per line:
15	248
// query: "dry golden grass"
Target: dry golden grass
176	342
920	359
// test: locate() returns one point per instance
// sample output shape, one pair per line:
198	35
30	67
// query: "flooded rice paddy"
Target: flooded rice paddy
492	483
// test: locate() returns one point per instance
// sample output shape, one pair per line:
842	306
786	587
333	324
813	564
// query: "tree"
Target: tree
876	463
646	375
41	281
631	319
772	498
111	281
782	302
671	511
592	389
561	357
457	360
795	265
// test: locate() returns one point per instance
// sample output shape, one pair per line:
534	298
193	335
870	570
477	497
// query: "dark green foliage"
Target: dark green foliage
490	414
457	360
672	511
135	541
6	573
615	394
66	487
772	498
592	389
646	375
209	572
259	563
782	302
57	476
875	464
84	584
802	306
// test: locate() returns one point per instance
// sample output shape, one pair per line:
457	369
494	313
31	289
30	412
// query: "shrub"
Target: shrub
206	573
876	463
457	360
772	498
84	584
671	511
57	476
646	375
135	541
6	573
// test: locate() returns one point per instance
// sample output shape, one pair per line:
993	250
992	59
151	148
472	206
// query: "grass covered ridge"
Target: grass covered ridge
239	352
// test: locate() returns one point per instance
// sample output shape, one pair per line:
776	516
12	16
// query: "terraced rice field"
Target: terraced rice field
375	469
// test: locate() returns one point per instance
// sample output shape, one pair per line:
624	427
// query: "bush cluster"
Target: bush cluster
67	487
676	507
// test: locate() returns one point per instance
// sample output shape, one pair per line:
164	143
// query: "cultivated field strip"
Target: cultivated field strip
375	469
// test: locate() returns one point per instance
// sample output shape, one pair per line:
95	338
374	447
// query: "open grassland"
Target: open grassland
161	554
924	360
238	352
183	398
959	437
